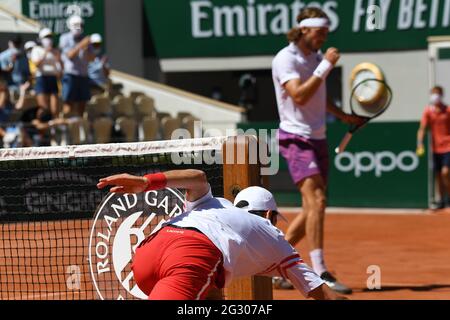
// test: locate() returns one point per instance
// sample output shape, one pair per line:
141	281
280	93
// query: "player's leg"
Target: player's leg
445	176
438	167
313	193
297	228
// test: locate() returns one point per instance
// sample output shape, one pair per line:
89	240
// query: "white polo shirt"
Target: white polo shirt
308	120
250	244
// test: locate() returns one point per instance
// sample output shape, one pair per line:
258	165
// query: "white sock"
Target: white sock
318	263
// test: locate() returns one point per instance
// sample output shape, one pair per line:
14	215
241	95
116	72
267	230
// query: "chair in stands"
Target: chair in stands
98	106
169	125
124	118
135	94
78	131
189	123
145	107
149	130
182	115
162	115
102	130
127	128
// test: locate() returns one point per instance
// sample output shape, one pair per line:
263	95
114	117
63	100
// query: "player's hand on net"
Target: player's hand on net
124	183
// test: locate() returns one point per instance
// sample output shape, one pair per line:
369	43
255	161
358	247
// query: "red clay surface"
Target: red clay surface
412	251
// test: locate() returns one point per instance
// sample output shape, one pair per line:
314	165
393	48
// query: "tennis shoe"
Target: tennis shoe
335	285
281	284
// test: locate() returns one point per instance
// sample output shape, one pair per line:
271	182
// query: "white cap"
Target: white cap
29	44
74	22
45	33
258	199
96	38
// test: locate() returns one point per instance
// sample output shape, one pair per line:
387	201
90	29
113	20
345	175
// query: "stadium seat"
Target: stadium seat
169	125
122	107
149	129
182	115
102	129
188	123
127	127
98	106
135	94
162	115
145	107
78	131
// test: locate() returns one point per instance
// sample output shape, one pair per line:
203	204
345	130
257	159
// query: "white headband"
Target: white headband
315	23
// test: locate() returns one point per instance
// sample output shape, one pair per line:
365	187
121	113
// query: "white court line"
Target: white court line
362	211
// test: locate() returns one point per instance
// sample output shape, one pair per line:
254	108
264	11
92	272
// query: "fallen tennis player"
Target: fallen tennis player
213	241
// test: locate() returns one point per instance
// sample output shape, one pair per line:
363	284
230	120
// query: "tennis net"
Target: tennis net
62	238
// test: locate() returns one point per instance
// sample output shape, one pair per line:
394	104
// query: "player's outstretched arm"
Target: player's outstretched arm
193	181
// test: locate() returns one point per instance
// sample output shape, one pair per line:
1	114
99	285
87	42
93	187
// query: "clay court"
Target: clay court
412	250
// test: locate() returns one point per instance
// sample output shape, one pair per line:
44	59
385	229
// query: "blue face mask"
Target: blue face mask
97	52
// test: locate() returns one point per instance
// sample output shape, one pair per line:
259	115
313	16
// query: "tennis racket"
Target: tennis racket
369	99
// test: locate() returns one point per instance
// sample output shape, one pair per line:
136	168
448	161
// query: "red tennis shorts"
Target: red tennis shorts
178	264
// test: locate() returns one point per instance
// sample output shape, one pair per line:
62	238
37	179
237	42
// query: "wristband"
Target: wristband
323	69
156	181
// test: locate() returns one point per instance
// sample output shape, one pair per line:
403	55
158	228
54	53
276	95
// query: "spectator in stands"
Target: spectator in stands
14	63
35	123
12	133
99	68
77	52
49	68
28	46
6	106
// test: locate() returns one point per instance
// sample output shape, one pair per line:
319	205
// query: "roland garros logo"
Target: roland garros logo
122	222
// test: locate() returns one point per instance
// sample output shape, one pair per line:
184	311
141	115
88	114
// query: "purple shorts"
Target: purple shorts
305	157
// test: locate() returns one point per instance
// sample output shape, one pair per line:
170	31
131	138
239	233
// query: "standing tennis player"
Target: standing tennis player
213	241
299	73
436	117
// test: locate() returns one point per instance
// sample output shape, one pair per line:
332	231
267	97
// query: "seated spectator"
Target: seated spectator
49	68
77	52
99	68
14	63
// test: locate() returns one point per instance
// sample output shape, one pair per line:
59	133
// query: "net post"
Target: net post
240	170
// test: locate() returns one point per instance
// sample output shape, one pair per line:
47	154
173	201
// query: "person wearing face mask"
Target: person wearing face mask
28	46
14	64
99	68
47	60
436	117
77	51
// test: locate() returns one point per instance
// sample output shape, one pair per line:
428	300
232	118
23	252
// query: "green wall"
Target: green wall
379	168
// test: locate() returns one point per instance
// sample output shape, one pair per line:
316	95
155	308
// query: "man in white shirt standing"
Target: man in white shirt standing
213	241
299	74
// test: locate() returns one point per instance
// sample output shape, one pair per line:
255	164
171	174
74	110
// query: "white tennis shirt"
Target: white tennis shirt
306	120
250	244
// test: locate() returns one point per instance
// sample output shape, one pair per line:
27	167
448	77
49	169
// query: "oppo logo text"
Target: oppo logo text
379	163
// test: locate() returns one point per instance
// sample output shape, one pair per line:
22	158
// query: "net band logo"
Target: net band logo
121	223
379	163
